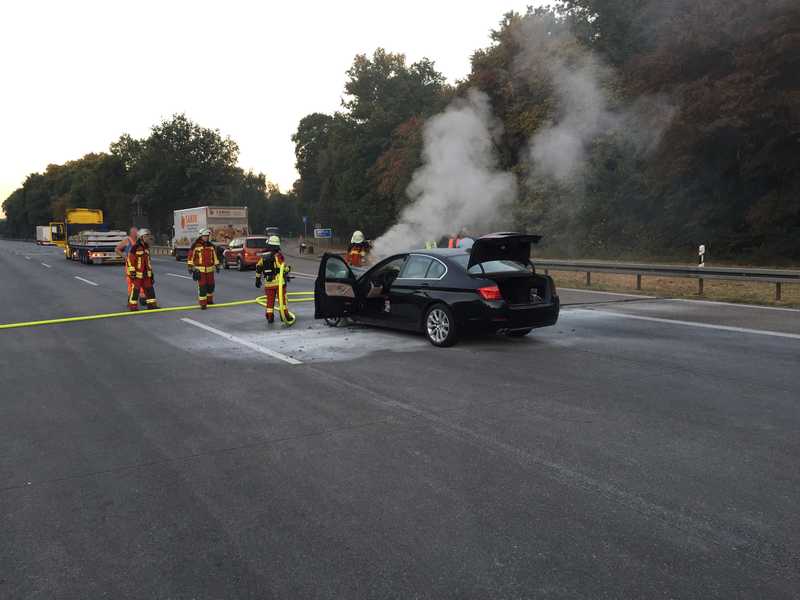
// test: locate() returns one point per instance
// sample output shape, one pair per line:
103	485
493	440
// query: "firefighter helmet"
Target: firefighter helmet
274	240
358	238
205	231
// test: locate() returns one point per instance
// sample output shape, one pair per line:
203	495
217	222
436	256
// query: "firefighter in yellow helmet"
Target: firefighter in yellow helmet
202	263
357	250
273	270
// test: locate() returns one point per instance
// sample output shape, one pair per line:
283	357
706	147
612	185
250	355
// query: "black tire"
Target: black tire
225	263
439	326
333	322
519	332
240	264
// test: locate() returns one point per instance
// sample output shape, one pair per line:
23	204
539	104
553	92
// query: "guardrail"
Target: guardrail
639	270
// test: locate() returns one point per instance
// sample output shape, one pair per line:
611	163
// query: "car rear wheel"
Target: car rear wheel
440	326
519	332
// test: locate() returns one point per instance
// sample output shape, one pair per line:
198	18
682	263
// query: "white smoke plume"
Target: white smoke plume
581	84
459	186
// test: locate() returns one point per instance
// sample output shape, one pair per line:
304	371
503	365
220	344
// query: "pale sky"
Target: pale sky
74	75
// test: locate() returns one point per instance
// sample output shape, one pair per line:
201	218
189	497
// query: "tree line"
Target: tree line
180	164
725	170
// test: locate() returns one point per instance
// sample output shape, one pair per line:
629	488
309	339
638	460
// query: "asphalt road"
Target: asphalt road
641	448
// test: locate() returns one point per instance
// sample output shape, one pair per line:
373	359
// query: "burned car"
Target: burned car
491	287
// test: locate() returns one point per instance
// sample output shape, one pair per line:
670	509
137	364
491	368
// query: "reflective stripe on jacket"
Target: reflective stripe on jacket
202	257
138	261
269	266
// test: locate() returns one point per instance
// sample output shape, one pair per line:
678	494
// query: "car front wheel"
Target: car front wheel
440	326
225	262
240	265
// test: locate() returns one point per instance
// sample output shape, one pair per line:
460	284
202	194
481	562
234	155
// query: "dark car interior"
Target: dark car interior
381	278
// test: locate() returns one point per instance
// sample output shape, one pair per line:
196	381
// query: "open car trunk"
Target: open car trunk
518	287
532	289
502	246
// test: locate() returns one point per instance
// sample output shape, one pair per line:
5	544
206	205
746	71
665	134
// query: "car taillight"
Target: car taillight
490	292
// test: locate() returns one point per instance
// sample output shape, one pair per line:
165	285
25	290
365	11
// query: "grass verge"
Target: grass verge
713	289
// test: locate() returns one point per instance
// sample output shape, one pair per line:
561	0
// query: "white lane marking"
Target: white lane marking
86	281
795	310
181	276
605	293
45	265
303	274
780	334
27	258
247	344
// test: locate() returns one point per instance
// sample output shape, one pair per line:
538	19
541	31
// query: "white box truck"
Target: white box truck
43	236
225	222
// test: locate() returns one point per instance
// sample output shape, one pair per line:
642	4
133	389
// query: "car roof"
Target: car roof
440	252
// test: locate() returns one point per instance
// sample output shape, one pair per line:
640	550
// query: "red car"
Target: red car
243	253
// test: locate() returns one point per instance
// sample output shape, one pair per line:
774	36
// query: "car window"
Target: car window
416	267
393	265
435	271
499	266
257	243
335	268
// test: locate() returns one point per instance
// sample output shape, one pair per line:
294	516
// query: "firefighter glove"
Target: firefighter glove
258	282
196	275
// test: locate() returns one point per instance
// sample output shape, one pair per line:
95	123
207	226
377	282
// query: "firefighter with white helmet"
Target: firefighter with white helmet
273	270
140	274
357	250
202	264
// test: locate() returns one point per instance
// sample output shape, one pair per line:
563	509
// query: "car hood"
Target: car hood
502	246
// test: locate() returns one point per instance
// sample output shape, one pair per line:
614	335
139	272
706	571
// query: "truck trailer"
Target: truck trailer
85	237
225	222
43	236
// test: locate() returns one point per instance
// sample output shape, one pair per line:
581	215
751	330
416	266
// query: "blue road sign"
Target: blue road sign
323	233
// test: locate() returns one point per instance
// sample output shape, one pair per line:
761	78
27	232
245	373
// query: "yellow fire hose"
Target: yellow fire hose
295	297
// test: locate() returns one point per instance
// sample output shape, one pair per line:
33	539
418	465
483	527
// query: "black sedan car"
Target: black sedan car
491	287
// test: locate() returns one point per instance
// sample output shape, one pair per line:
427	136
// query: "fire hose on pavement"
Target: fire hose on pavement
262	300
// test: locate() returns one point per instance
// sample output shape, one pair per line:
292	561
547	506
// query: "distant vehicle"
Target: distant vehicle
85	237
268	231
226	223
492	287
43	235
243	253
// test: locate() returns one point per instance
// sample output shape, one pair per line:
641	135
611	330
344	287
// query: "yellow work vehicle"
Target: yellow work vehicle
85	237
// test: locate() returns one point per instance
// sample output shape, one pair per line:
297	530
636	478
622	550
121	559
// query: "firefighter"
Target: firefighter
357	250
273	270
140	273
123	248
202	263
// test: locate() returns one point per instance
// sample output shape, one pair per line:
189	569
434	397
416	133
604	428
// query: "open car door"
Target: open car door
502	246
334	289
